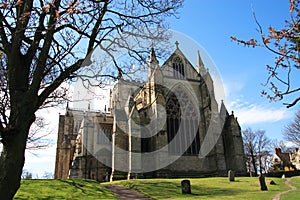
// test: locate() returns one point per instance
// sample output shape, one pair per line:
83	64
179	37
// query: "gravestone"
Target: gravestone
272	182
231	175
186	187
262	182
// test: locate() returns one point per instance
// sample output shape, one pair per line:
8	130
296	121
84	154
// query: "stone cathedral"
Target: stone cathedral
169	126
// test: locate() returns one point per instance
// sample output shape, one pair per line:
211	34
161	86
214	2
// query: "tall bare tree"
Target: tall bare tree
45	43
263	151
257	150
249	140
291	131
284	43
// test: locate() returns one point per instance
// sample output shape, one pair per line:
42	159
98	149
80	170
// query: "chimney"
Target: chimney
277	150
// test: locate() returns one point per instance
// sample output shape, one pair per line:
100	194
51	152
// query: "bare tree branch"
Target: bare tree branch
292	130
284	44
47	43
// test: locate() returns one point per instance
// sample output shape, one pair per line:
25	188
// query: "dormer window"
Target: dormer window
178	68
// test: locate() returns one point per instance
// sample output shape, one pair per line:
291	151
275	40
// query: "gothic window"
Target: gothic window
103	135
178	68
181	120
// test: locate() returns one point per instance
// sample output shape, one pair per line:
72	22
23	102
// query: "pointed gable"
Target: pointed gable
177	66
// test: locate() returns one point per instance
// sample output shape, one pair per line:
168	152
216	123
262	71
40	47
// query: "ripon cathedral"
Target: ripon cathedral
169	126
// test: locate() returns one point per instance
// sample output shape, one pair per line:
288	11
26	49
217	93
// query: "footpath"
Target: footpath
287	182
124	193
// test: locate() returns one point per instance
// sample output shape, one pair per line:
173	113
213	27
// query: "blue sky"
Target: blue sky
210	23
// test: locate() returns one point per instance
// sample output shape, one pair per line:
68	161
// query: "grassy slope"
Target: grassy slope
204	188
207	188
62	189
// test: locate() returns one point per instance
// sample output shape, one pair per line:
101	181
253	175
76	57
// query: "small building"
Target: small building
285	161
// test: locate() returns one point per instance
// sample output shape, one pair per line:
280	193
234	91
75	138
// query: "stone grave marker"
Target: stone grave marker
186	187
231	175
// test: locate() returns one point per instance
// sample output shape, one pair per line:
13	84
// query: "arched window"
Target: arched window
103	136
178	68
181	120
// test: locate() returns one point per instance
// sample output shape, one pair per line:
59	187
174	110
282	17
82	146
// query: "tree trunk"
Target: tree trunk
254	163
12	158
260	165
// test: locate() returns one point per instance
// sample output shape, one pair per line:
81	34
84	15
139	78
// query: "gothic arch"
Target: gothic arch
181	120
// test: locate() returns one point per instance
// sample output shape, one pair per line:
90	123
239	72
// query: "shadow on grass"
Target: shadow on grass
75	184
62	189
165	189
86	187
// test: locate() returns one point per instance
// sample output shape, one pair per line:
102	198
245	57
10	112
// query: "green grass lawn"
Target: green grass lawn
62	189
293	194
202	188
207	188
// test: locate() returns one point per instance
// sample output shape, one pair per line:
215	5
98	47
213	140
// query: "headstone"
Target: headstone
262	182
106	177
272	182
186	187
231	175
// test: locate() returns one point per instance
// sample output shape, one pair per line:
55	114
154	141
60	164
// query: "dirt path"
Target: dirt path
124	193
287	182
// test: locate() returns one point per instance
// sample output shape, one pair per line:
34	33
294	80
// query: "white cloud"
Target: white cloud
289	144
257	114
249	109
250	113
